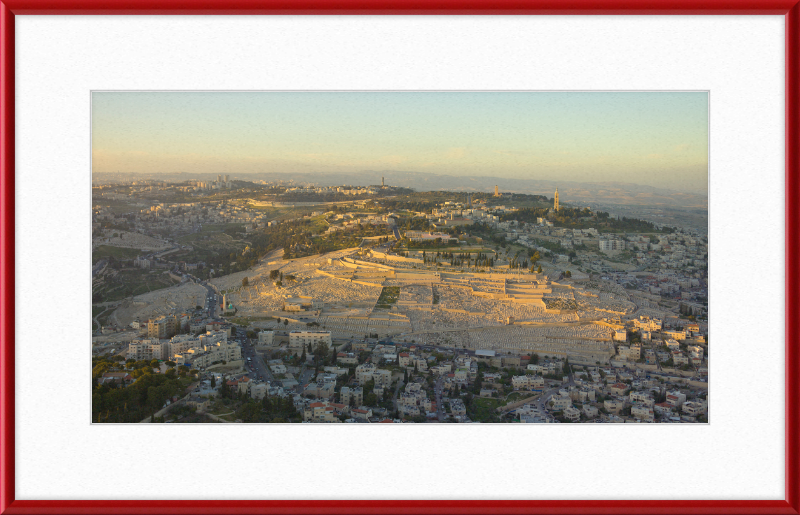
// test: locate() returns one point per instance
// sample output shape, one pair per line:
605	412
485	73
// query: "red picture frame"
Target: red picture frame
790	9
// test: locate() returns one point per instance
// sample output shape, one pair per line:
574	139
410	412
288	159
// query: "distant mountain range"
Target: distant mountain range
569	192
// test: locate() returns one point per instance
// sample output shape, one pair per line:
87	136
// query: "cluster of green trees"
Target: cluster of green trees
115	402
433	244
294	237
575	218
423	201
414	224
463	259
268	409
481	230
517	263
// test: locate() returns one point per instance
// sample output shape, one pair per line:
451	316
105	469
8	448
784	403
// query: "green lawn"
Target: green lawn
389	296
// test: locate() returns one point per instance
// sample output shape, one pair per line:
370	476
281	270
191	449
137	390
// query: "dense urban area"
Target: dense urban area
227	300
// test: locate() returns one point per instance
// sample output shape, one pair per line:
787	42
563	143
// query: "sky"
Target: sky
653	138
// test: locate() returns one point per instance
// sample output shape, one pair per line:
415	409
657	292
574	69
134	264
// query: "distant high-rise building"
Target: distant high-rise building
496	191
383	184
226	177
555	201
219	178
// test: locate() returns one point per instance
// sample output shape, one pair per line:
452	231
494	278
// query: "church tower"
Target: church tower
496	191
555	201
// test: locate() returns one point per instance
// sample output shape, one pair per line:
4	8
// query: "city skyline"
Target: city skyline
655	139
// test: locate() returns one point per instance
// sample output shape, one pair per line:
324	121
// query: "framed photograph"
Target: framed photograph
398	258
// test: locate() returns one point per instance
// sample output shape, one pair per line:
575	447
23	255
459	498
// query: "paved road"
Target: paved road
549	393
258	369
396	391
305	376
438	393
211	300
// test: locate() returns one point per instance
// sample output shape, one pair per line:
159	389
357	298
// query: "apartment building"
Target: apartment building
364	373
320	412
613	405
298	339
148	349
457	407
527	382
677	335
561	402
351	396
694	408
382	377
676	398
618	389
162	327
572	414
266	339
641	398
347	358
644	413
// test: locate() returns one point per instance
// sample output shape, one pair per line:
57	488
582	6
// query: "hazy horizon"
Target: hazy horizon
650	139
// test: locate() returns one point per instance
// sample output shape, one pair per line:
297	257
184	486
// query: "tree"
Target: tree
303	355
321	352
170	363
478	383
213	381
285	322
245	282
539	270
